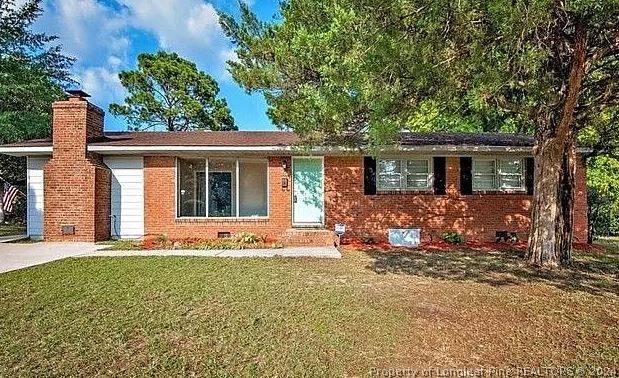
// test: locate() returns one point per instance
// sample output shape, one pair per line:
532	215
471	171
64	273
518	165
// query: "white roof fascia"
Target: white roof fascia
27	151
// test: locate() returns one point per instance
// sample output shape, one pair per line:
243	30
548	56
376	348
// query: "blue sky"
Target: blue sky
106	36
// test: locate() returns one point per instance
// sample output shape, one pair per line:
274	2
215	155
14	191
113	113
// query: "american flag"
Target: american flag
10	193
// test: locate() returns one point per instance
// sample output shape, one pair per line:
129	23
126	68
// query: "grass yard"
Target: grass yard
171	316
11	229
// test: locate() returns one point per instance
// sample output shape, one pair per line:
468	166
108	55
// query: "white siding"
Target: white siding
127	218
35	196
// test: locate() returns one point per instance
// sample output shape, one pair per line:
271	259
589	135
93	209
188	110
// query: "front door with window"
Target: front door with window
308	191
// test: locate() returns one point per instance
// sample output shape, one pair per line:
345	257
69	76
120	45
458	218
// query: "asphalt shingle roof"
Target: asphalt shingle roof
281	138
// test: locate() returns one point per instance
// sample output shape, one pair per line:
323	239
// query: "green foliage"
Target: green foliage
452	237
162	239
169	91
32	74
243	240
247	238
347	68
603	195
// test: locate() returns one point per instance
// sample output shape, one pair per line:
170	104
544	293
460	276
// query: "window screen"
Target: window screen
191	188
222	188
215	187
253	184
484	172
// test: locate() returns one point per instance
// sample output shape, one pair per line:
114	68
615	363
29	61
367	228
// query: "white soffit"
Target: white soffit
27	151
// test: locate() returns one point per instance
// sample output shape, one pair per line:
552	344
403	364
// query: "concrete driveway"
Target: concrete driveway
15	256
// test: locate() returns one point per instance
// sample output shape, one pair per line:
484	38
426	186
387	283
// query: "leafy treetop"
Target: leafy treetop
359	66
33	73
170	92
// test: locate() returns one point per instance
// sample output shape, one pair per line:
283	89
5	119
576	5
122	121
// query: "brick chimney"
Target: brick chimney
77	183
74	122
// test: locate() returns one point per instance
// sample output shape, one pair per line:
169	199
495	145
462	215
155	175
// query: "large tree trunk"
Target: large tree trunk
552	217
547	223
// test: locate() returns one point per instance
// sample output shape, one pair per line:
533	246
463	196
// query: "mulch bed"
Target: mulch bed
443	246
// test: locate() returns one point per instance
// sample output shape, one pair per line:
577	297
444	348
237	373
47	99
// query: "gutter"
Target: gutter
27	151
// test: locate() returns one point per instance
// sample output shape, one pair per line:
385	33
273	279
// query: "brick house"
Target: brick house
88	185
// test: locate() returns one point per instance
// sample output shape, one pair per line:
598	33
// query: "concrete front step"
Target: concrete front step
299	237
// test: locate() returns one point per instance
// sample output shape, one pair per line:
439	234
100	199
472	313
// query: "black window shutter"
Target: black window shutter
529	171
466	175
369	175
439	175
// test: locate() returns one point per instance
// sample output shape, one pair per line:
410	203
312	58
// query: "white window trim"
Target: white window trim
404	175
498	174
237	195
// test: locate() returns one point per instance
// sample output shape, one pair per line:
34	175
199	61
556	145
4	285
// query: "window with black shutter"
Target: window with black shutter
369	175
530	174
466	175
440	175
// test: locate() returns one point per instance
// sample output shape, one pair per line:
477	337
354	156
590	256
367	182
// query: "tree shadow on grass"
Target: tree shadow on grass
595	273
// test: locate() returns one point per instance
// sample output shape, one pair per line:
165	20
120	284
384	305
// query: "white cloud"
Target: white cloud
86	28
114	61
225	56
102	36
102	84
188	27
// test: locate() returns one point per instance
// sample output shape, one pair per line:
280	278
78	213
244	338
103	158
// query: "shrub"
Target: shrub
368	239
247	238
452	237
162	239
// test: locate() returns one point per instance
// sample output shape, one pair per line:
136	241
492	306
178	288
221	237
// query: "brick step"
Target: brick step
299	237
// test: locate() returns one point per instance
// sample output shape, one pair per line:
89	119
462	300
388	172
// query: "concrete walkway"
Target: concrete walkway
319	252
12	238
15	256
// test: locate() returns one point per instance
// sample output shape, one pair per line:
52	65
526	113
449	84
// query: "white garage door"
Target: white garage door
127	220
35	196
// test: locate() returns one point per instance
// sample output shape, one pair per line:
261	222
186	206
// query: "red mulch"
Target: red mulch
443	246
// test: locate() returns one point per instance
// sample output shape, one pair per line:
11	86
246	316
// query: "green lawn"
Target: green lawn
169	316
11	229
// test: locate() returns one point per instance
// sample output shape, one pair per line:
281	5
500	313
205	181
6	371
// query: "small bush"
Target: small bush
239	241
162	239
453	237
247	238
368	239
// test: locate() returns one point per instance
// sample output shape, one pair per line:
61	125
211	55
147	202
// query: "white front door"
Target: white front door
308	191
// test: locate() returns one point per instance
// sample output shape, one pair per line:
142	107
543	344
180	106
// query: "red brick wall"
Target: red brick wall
476	216
76	182
103	202
160	202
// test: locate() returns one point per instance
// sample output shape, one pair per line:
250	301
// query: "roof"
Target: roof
271	141
197	138
280	138
466	139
